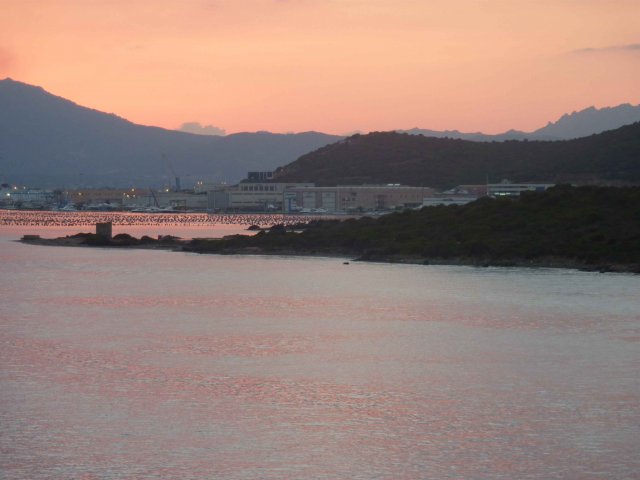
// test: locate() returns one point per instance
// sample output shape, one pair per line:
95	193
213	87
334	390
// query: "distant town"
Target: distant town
259	192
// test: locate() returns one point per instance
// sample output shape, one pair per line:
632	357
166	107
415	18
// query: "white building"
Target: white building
250	196
508	189
292	197
32	197
448	200
355	198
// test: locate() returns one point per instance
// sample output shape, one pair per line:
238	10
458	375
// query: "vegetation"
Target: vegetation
587	227
388	157
123	240
594	228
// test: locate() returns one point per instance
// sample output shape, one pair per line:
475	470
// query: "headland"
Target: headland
588	228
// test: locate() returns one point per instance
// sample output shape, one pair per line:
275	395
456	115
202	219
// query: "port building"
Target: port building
251	196
356	198
508	189
306	197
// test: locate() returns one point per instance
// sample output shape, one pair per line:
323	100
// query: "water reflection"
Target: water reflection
29	218
121	364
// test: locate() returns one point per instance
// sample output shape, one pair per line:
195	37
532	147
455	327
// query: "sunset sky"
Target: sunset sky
328	65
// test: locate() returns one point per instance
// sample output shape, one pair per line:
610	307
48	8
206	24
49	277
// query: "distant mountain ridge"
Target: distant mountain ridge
473	136
578	124
47	140
589	121
611	157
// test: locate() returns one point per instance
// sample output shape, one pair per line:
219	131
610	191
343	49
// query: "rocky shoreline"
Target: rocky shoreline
122	240
217	246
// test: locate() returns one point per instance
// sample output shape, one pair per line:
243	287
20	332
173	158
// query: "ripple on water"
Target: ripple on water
163	365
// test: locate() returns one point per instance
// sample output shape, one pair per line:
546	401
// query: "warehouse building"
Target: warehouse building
355	198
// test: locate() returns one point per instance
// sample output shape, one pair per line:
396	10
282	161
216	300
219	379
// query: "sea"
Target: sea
145	364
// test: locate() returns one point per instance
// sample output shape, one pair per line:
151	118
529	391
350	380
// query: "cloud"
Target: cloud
633	48
199	129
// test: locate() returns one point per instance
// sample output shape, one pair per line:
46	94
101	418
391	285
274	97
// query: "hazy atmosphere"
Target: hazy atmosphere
320	239
326	65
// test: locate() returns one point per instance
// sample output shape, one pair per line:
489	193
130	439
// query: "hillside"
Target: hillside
596	228
388	157
47	140
591	228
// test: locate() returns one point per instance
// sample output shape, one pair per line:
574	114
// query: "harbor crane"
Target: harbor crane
155	199
169	167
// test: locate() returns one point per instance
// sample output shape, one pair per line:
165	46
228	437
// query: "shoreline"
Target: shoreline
181	245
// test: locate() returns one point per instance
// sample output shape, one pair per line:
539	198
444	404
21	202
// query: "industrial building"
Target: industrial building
355	198
28	197
260	176
250	196
165	199
448	200
508	189
306	197
87	196
464	194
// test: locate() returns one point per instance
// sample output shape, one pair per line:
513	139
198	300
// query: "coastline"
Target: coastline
196	246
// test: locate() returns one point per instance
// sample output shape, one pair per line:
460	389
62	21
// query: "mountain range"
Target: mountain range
571	125
48	141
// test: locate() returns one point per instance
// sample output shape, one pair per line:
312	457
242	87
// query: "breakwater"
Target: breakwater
81	219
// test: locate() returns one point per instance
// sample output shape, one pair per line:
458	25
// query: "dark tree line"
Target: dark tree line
585	226
388	157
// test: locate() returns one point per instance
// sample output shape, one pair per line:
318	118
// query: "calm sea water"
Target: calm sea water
152	364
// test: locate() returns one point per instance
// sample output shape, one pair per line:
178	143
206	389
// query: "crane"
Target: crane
168	166
155	199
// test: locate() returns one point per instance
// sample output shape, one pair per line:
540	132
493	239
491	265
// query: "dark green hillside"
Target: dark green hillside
589	227
389	157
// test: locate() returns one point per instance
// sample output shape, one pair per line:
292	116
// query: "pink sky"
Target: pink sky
328	65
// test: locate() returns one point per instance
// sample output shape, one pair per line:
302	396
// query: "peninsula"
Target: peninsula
591	228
